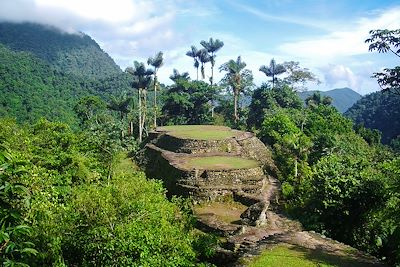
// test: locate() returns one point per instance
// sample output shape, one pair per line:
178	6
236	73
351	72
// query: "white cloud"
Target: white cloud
135	29
335	75
124	28
343	42
111	11
286	19
342	56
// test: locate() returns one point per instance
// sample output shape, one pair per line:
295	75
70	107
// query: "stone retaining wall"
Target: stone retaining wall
191	146
163	156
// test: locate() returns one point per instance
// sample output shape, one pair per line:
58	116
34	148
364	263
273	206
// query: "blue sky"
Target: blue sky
325	36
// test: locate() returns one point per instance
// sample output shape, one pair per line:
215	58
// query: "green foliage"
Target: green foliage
297	76
317	99
32	90
127	222
223	112
266	99
63	203
237	80
88	108
371	136
385	41
284	255
344	190
15	245
212	46
188	102
75	54
379	111
291	145
333	180
273	70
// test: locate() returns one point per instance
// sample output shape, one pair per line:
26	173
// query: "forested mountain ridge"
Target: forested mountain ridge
380	111
77	54
343	98
44	72
30	89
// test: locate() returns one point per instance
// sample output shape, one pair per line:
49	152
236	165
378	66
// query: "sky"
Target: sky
326	37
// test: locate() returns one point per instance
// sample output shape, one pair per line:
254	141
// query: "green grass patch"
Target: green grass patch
199	132
220	163
289	255
228	212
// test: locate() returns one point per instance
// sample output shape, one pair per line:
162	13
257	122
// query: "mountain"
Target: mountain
76	54
379	110
343	98
44	72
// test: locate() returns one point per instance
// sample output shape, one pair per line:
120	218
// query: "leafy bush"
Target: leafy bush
128	222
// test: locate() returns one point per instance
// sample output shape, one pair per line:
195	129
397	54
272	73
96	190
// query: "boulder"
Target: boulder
256	214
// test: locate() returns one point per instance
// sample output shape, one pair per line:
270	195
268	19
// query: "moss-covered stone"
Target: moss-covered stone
173	160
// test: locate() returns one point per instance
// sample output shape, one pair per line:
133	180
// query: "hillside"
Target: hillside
343	98
30	89
378	111
77	54
44	72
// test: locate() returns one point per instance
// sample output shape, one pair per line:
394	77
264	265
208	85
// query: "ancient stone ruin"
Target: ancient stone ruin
231	178
207	169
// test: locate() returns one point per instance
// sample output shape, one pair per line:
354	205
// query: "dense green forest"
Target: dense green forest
72	199
76	54
34	81
70	196
379	111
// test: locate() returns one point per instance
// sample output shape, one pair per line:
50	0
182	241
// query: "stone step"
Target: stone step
247	189
258	180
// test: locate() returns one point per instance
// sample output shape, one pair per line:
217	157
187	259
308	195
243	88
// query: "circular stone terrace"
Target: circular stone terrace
218	163
198	132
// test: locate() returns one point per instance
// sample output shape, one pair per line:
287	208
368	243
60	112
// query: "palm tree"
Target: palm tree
212	46
141	81
238	78
157	61
204	57
176	76
273	70
194	53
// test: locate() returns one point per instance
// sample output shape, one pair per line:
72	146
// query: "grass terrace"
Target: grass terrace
220	163
228	212
198	132
291	255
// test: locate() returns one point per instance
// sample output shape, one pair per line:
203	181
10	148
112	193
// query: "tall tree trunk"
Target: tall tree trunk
212	75
273	79
235	104
140	115
130	129
211	82
295	168
197	73
155	100
144	104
